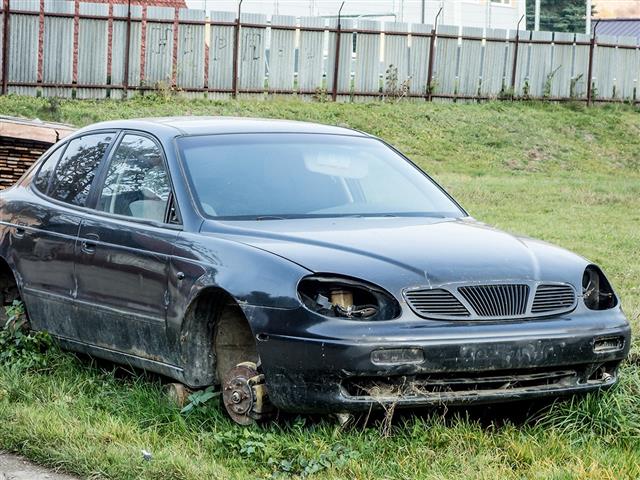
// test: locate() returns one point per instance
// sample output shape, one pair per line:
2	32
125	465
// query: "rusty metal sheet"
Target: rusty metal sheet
396	53
119	46
282	53
445	65
345	66
419	59
367	71
190	59
522	64
221	45
310	55
57	47
626	72
562	68
158	68
1	42
92	50
251	62
540	72
23	46
471	60
494	68
580	69
604	66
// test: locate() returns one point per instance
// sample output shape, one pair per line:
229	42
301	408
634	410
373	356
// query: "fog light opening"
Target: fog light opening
608	344
397	356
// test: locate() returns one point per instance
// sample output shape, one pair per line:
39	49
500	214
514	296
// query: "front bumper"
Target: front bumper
314	364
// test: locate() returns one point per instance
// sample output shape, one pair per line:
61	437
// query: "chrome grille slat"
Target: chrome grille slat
437	302
497	300
492	301
553	298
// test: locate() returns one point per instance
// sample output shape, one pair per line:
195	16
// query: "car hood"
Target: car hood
399	252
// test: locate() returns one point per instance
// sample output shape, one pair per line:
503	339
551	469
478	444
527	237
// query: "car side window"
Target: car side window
137	183
76	170
43	176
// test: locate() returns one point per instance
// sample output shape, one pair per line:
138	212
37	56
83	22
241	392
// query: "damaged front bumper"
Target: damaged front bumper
338	366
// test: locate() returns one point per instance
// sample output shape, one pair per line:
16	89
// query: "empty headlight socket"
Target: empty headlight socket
597	292
344	297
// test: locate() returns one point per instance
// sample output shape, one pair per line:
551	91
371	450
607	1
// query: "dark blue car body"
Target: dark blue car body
126	290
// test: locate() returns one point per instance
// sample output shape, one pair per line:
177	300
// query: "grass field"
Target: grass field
566	174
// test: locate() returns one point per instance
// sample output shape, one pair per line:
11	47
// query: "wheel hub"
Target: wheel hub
244	394
240	397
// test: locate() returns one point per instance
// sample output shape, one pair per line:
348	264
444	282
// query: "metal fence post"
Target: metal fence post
5	47
514	67
592	46
236	52
127	47
176	44
336	63
434	34
76	34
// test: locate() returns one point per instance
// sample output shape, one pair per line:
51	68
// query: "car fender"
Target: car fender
206	264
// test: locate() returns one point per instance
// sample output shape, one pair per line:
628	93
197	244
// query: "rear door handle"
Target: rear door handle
89	243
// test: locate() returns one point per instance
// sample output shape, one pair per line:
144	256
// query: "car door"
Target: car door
45	220
122	253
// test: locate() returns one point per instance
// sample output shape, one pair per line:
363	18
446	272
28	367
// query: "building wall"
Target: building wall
476	13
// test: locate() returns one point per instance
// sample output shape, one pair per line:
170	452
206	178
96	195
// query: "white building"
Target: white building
467	13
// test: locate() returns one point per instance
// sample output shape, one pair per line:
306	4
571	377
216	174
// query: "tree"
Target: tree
555	16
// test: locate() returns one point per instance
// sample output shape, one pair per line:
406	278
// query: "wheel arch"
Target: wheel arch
211	315
9	286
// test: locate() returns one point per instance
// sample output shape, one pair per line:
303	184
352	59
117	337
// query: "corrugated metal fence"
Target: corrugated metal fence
88	50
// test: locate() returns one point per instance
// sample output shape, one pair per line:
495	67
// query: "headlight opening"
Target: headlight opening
596	290
342	297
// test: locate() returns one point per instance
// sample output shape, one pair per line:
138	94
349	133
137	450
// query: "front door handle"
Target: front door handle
88	247
19	231
89	243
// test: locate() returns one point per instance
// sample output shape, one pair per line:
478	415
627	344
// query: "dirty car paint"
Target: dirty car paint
128	302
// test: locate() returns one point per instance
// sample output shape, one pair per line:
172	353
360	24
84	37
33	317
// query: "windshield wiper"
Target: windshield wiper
269	217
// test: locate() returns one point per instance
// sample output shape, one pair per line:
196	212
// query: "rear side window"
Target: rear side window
76	170
137	184
46	170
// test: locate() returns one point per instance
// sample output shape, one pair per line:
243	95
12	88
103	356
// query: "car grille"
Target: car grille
503	300
437	302
492	301
552	298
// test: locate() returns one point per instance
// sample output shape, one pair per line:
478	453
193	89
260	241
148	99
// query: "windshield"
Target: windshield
271	176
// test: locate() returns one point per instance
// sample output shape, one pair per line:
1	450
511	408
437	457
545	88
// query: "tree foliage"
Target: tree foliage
565	16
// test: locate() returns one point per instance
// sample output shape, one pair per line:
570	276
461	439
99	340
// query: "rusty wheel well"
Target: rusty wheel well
6	275
215	337
8	287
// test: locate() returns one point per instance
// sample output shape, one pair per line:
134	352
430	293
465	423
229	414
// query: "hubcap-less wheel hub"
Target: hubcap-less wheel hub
244	394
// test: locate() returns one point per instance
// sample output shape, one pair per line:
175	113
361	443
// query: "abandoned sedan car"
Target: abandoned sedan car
301	267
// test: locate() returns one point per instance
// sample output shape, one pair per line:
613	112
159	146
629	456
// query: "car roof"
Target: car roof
195	125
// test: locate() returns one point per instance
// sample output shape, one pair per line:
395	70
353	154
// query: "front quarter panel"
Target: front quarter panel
251	276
